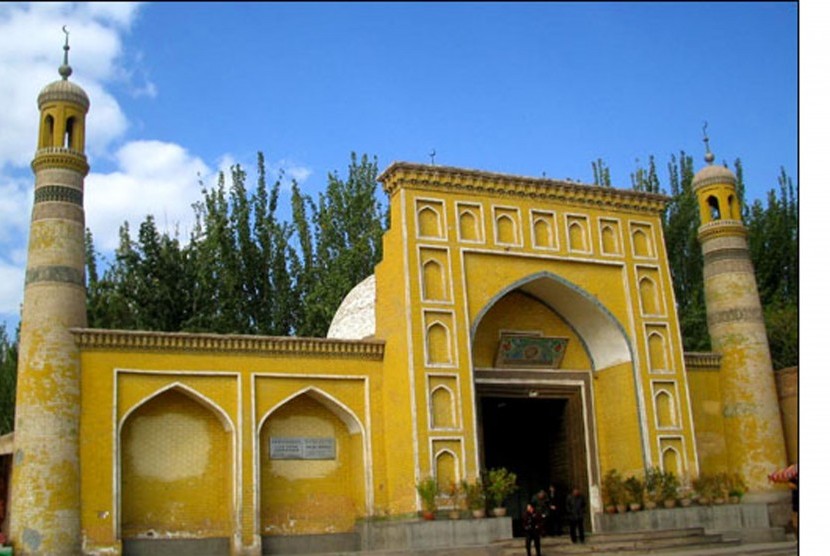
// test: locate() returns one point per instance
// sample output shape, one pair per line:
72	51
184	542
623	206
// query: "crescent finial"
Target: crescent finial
65	70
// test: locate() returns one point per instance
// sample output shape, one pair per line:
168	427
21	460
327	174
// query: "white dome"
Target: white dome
355	318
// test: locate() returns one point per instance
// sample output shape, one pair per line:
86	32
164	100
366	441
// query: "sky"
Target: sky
180	91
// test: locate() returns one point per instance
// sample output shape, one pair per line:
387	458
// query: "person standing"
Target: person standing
532	522
552	524
575	509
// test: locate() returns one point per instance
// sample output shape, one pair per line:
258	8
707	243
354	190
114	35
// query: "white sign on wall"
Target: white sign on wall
302	448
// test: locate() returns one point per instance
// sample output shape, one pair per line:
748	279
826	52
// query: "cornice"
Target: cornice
449	179
702	360
89	339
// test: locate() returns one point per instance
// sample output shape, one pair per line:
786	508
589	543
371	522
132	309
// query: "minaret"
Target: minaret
754	435
45	507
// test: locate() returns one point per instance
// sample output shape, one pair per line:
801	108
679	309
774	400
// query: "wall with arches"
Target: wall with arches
178	434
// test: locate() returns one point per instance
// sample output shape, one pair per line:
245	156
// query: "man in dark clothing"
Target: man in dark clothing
575	510
532	522
552	525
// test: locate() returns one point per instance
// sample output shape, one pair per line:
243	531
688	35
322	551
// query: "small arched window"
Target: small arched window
714	208
68	136
47	140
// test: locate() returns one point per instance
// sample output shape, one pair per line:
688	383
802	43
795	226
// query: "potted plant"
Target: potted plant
499	484
613	492
685	492
456	497
668	489
721	488
736	487
705	488
634	489
428	491
474	494
651	488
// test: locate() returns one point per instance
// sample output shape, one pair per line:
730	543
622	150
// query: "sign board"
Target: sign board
530	351
302	448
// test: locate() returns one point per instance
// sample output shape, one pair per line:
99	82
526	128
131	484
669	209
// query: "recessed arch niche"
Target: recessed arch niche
176	464
311	494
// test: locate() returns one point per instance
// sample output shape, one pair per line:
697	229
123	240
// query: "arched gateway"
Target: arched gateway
544	311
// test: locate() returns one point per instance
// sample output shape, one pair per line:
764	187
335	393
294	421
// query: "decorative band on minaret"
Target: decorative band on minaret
754	435
45	507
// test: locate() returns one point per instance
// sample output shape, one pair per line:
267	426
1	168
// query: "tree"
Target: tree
602	174
348	224
681	221
773	243
244	271
8	380
644	180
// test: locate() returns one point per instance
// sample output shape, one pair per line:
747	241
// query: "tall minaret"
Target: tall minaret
754	435
45	508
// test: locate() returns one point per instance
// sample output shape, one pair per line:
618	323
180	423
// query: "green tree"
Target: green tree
348	223
602	174
239	255
646	180
773	244
8	380
681	221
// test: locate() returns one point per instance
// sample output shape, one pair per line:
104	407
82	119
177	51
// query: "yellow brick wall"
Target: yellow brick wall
707	408
193	427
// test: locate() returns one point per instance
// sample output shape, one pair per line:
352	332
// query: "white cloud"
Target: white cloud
299	173
153	177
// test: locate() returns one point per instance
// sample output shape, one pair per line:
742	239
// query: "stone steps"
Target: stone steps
630	542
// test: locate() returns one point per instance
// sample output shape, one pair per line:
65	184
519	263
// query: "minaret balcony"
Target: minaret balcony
721	228
60	157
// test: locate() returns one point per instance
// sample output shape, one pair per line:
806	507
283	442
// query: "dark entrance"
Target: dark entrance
540	439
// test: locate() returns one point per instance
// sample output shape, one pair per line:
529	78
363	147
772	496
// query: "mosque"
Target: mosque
514	322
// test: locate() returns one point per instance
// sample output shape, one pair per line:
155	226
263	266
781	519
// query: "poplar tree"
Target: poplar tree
681	221
347	229
8	380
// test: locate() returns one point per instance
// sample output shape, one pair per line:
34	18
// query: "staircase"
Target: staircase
677	542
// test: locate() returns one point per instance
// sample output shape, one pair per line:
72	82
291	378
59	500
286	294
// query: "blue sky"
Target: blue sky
181	90
518	88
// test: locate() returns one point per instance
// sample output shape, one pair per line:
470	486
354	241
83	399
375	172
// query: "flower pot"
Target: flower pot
685	502
734	499
719	500
622	508
650	505
634	507
454	514
479	513
669	503
427	515
499	512
703	501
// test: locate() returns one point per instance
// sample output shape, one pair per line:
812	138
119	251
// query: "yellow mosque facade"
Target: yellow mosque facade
514	322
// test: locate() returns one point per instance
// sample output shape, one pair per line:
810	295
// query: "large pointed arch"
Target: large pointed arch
349	419
600	332
207	405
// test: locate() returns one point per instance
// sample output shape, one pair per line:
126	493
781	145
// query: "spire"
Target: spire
65	70
708	157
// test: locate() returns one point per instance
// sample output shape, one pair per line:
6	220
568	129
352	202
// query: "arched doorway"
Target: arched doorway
311	466
176	465
536	348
